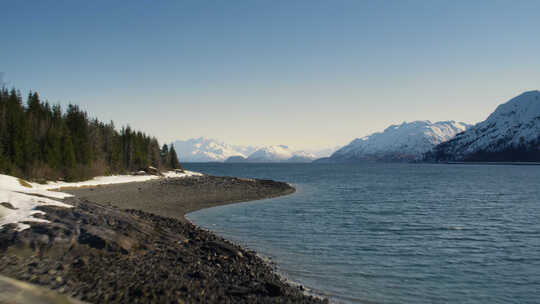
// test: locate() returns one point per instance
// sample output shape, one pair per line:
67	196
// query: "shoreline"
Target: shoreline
502	163
131	243
180	196
268	260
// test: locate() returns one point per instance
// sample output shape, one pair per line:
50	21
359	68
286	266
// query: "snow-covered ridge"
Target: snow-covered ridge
406	141
206	150
513	124
19	198
280	153
211	150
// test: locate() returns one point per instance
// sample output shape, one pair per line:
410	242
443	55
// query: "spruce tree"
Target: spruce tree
174	163
68	152
38	140
165	160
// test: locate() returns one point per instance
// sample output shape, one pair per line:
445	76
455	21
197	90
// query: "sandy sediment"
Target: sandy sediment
130	243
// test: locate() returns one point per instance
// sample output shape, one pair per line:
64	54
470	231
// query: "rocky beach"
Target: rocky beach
131	243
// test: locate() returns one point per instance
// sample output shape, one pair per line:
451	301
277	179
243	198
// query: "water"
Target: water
394	233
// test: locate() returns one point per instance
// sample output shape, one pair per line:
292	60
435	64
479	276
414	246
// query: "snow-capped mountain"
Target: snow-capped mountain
510	133
279	153
324	152
404	142
212	150
273	154
207	150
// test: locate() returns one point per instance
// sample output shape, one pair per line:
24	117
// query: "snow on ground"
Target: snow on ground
172	174
18	198
19	201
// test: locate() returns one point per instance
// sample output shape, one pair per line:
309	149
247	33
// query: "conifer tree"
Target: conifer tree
68	152
38	140
165	160
174	163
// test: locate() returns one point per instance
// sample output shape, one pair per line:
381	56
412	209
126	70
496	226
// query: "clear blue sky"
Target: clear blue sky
304	73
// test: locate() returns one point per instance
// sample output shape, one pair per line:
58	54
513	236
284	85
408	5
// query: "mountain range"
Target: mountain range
280	153
211	150
510	133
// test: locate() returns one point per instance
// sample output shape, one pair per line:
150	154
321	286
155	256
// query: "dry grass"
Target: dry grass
60	189
24	183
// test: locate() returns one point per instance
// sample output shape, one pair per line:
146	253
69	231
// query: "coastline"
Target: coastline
176	197
116	237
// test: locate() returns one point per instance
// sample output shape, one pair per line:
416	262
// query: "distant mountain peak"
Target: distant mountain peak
212	150
208	149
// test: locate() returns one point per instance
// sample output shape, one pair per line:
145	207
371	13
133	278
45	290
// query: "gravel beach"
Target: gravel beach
130	243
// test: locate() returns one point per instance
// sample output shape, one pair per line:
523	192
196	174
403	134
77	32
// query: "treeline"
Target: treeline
41	141
498	152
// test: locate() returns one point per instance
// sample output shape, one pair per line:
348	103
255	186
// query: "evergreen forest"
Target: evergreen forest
40	141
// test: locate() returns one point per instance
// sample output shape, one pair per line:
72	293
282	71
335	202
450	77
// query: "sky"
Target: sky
308	74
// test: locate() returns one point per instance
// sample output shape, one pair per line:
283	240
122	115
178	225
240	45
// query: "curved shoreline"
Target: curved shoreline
176	197
130	243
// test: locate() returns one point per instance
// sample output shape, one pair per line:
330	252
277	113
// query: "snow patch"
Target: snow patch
19	199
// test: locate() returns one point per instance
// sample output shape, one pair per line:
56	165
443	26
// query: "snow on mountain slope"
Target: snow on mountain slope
513	127
404	142
211	150
206	150
279	153
324	152
271	153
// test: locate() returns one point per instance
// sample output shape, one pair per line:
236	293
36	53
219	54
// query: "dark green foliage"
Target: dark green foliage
174	163
165	154
524	152
39	141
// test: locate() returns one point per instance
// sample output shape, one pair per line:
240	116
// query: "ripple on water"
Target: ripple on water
395	233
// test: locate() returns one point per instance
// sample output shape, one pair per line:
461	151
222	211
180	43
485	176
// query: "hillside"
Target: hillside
510	133
404	142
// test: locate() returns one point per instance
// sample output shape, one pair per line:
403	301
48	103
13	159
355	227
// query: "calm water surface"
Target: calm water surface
394	233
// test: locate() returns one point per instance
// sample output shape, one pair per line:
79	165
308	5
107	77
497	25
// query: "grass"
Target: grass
24	183
74	187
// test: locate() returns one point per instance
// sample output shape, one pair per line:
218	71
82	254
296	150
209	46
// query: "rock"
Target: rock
152	170
105	254
238	290
18	292
91	240
273	289
8	205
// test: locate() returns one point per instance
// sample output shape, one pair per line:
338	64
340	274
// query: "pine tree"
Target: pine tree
174	163
40	141
165	160
68	152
